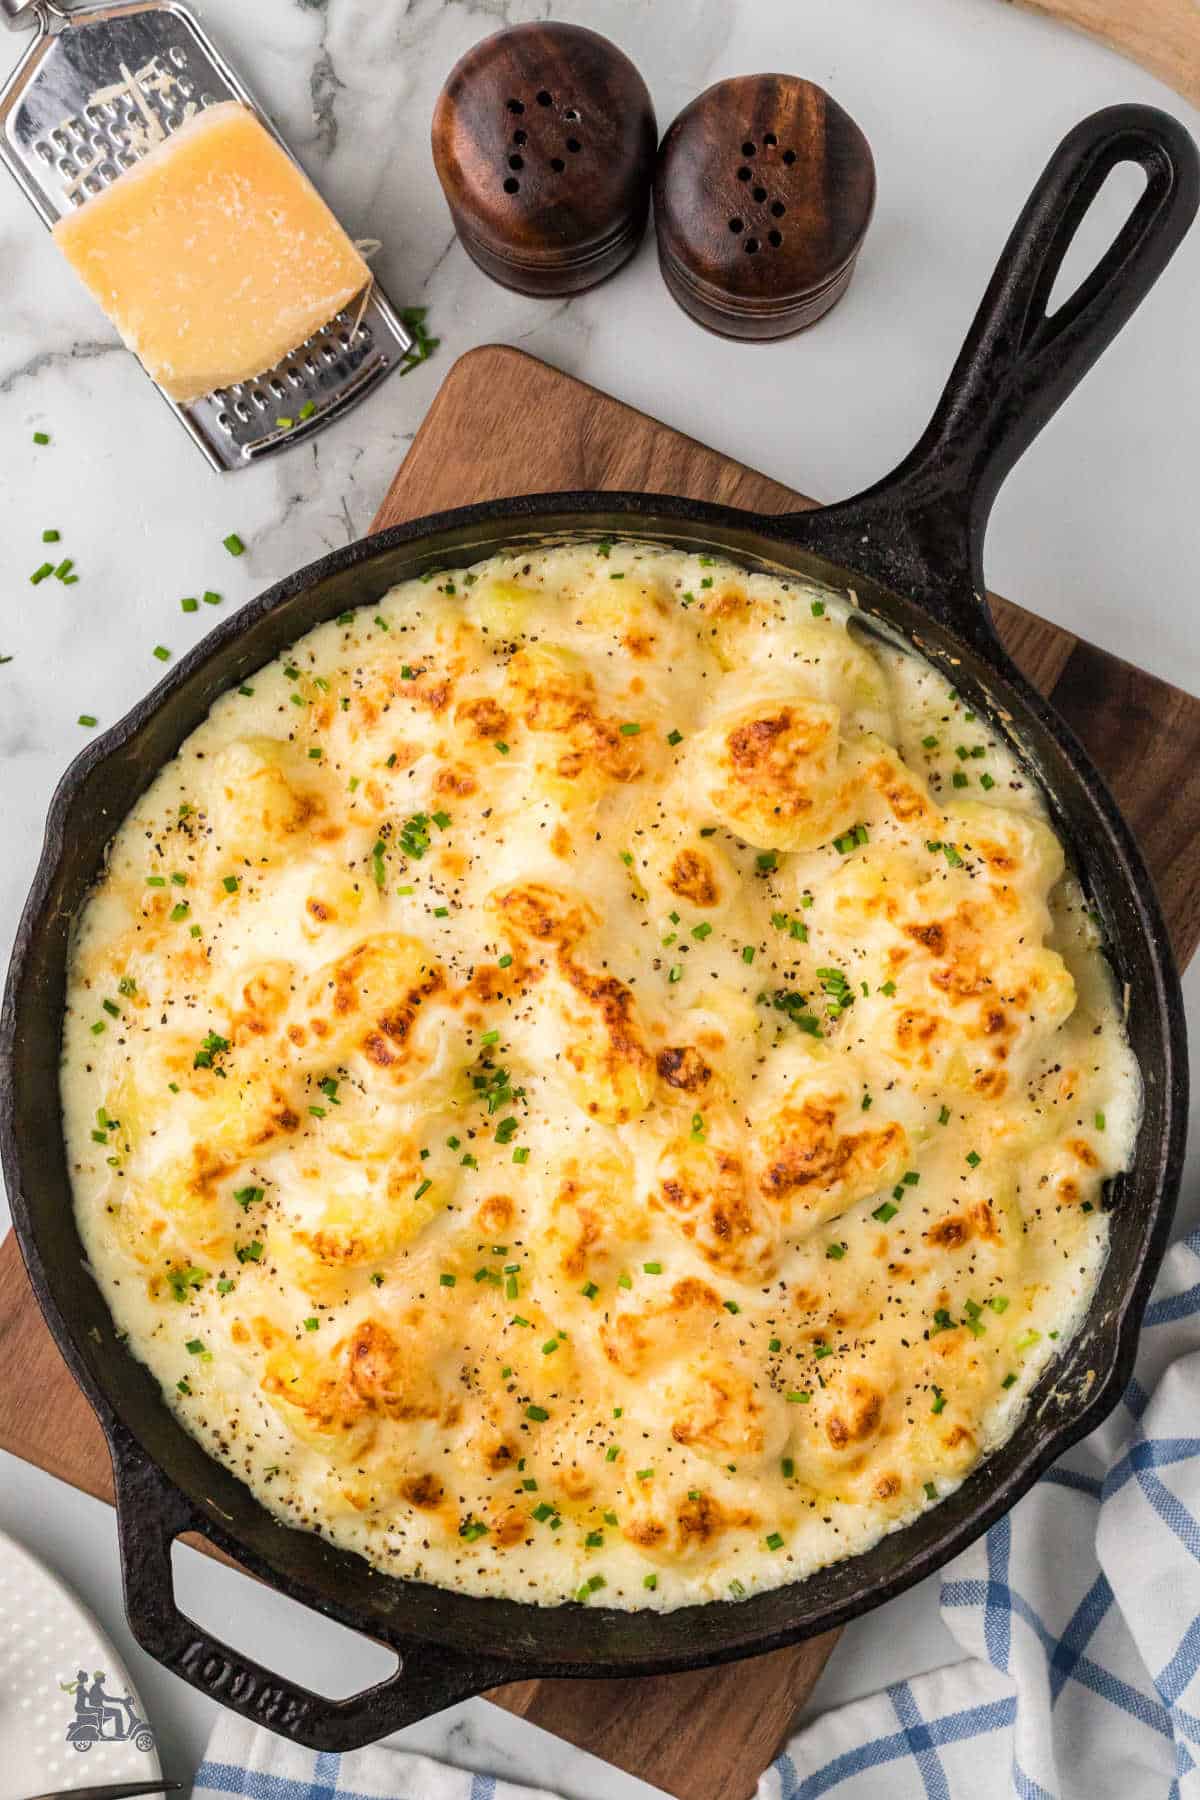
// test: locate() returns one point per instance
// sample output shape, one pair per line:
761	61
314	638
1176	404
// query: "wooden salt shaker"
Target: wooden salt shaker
762	197
544	138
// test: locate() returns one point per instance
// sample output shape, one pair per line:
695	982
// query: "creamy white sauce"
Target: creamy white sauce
699	1249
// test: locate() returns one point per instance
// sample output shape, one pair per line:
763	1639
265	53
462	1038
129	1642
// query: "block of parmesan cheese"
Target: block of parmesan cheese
214	256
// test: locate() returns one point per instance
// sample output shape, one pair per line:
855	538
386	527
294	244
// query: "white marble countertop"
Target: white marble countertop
1098	529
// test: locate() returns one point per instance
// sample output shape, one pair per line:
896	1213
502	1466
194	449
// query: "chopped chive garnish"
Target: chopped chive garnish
939	1400
835	1252
162	653
1099	1121
630	730
189	605
234	544
538	1414
88	719
974	1159
447	1280
1010	1380
41	437
800	1397
40	575
774	1541
211	598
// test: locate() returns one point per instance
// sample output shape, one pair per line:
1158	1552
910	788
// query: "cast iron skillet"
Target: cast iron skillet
911	550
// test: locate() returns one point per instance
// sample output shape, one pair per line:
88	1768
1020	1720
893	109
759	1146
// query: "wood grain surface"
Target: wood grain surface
1162	35
501	424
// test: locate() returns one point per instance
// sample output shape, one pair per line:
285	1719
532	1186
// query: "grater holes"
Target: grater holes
752	246
769	139
571	115
516	162
515	106
777	209
178	56
208	100
574	146
789	157
774	238
544	98
736	225
557	164
744	174
520	139
512	185
43	150
760	194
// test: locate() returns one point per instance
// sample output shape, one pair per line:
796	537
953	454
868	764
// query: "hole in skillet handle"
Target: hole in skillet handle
151	1514
920	530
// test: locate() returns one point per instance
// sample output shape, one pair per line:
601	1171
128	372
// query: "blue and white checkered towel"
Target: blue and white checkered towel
246	1759
1080	1613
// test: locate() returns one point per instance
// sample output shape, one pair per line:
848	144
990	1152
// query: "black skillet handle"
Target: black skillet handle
921	529
151	1514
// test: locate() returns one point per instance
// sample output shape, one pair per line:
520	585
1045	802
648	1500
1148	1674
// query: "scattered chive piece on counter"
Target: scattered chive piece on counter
211	598
413	318
308	410
162	653
189	605
234	544
41	437
88	719
41	574
51	537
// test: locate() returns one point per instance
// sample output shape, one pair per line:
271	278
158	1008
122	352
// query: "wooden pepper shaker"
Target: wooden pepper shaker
544	138
762	196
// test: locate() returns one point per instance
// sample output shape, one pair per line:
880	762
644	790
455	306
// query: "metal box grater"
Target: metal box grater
159	68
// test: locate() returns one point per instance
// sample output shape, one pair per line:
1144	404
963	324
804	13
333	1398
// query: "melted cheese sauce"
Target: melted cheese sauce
592	1080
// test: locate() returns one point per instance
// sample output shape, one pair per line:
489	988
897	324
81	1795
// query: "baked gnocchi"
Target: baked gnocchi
591	1080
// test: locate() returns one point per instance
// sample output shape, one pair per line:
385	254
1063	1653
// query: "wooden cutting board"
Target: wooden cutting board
505	424
1162	35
